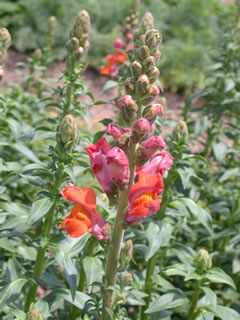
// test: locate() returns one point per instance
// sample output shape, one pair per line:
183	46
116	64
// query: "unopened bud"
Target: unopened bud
157	56
142	84
151	112
118	44
52	23
37	54
34	315
126	256
153	74
147	22
129	36
126	279
152	38
143	52
149	62
136	68
148	148
203	261
129	103
68	132
72	44
129	85
107	231
5	39
79	53
141	128
181	132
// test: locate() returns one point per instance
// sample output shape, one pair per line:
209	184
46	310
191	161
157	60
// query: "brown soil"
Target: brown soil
95	84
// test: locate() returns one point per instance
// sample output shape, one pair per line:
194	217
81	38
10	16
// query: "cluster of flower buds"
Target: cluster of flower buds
78	44
129	28
34	314
5	41
126	256
68	134
203	261
181	132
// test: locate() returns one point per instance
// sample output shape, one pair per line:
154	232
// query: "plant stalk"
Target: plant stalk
193	307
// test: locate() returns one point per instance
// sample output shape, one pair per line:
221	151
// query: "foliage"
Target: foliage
183	261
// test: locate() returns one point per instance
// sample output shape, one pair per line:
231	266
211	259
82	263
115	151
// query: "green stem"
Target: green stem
148	286
39	264
151	262
116	241
193	307
70	85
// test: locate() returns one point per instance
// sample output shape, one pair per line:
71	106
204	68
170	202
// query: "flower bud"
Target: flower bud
143	52
157	56
118	44
129	85
126	255
152	94
141	128
149	62
120	135
72	44
147	22
86	45
107	231
152	38
34	315
153	74
128	26
136	68
148	148
181	132
142	84
203	261
5	39
68	132
126	279
151	112
129	36
52	23
79	53
37	54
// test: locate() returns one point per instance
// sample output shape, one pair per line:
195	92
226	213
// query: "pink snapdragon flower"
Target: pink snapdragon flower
118	165
159	163
118	44
97	153
141	126
152	145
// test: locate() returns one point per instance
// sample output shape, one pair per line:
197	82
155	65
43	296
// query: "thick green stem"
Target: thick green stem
70	85
116	241
40	260
193	307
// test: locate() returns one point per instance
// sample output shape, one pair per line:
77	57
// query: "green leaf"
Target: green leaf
11	291
39	209
93	269
229	85
211	296
219	150
229	173
73	246
109	85
198	212
158	236
224	313
70	272
19	314
201	126
18	223
136	298
217	275
25	152
167	301
79	301
42	307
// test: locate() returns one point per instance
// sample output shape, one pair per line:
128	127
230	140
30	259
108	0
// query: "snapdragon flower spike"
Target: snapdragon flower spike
84	217
159	163
118	165
143	197
97	153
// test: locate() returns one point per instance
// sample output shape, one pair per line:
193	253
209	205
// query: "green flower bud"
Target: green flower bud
68	131
149	62
126	279
5	39
136	68
52	23
143	52
203	261
153	74
37	54
181	132
142	84
34	315
72	44
129	85
79	53
126	256
152	38
86	45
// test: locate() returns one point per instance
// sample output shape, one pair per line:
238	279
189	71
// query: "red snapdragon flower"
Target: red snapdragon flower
84	217
143	197
114	62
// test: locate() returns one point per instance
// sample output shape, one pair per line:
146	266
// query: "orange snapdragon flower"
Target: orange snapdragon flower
143	197
114	62
84	217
